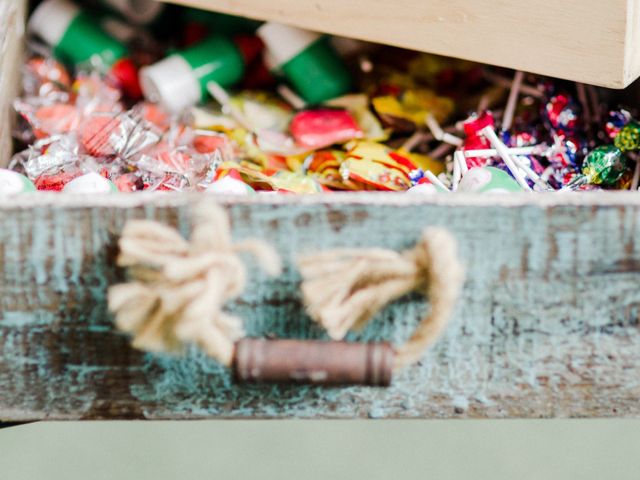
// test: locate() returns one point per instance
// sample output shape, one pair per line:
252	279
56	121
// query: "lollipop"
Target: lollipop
488	180
603	166
628	139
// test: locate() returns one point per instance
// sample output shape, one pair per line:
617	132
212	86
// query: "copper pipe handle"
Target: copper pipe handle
313	362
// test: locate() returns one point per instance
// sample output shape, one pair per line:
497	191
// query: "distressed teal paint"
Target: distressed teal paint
547	324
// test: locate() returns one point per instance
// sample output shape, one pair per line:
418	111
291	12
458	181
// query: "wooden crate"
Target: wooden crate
589	41
547	325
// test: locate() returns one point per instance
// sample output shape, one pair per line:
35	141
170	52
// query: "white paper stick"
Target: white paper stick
512	102
503	151
222	97
460	158
435	180
457	175
522	163
291	97
492	152
440	134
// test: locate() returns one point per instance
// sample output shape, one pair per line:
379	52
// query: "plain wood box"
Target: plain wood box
589	41
547	325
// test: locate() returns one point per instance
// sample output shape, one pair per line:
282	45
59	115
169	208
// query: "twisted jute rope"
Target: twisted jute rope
178	288
344	288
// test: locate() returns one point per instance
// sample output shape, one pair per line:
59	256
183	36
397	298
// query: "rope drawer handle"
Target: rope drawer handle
178	290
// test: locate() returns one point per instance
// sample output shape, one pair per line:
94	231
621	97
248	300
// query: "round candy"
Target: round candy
560	113
424	189
628	139
604	165
617	119
488	180
13	183
90	183
230	186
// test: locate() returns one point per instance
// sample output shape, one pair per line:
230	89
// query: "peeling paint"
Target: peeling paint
547	324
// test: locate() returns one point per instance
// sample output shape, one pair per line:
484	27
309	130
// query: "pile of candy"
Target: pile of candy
137	99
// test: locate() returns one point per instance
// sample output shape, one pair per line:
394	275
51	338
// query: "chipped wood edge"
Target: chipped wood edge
515	200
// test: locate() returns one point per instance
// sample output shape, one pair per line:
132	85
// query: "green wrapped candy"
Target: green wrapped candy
488	180
604	165
628	139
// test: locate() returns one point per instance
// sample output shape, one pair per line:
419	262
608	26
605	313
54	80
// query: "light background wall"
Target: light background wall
327	450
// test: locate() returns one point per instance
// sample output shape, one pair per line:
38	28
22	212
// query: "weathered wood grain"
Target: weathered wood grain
547	326
548	323
12	15
590	41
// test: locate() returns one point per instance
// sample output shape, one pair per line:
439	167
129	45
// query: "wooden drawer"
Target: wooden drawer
589	41
547	325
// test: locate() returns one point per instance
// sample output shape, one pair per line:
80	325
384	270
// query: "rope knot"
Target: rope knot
344	288
179	287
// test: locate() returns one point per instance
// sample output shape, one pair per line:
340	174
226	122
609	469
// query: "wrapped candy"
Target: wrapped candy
315	129
376	166
310	127
229	185
488	180
628	138
90	183
76	37
12	183
617	119
603	166
308	61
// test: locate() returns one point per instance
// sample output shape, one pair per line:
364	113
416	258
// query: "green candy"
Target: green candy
488	180
628	139
604	165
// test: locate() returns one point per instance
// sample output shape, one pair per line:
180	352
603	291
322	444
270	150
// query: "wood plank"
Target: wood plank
12	16
547	326
590	41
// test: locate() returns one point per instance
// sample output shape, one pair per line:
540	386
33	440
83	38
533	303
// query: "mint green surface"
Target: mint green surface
306	450
317	73
84	38
500	180
216	59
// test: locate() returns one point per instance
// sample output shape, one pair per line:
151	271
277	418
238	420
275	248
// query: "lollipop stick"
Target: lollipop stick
506	82
510	109
435	180
222	97
503	151
439	133
441	150
522	164
418	137
492	152
595	103
636	173
460	158
457	173
582	97
291	97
